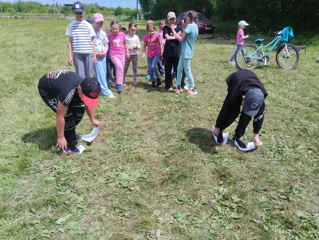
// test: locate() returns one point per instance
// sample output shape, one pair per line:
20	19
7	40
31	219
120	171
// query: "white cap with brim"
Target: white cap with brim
254	99
171	15
242	22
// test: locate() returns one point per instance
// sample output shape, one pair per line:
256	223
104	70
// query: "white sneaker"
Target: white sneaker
111	96
186	88
171	89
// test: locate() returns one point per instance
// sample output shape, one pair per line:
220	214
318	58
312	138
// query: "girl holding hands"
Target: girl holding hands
188	38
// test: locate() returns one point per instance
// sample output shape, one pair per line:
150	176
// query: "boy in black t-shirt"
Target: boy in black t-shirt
67	94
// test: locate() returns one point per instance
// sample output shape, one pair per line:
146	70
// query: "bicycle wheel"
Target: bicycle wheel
247	57
287	57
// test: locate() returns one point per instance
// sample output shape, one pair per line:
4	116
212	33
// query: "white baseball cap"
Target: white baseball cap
242	22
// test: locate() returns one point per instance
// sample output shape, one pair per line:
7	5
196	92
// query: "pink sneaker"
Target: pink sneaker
135	83
192	91
178	89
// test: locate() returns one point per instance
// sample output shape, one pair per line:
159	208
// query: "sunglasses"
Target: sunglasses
79	13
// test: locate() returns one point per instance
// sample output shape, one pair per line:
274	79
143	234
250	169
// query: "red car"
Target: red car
204	25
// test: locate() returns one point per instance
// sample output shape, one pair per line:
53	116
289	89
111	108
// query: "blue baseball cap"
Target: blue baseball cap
77	7
254	98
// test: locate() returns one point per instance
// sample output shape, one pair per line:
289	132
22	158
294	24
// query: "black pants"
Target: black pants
72	118
169	62
229	114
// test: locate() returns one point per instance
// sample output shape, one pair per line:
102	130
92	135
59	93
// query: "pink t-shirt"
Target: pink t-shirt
152	44
160	33
116	43
240	41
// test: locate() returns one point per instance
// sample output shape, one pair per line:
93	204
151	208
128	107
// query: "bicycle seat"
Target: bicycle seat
258	41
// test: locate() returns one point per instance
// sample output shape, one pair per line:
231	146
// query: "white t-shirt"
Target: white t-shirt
100	40
133	41
81	32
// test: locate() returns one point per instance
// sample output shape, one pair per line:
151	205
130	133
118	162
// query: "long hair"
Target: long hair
192	16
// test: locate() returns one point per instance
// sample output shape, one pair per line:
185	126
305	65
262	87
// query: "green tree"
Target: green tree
269	15
18	6
129	12
118	11
148	5
6	6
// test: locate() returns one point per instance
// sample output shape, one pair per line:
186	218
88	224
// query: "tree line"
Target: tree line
264	16
36	7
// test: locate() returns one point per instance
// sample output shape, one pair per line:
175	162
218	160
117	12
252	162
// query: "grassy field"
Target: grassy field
154	171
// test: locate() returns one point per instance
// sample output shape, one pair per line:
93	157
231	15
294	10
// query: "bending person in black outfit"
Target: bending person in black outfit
244	88
69	95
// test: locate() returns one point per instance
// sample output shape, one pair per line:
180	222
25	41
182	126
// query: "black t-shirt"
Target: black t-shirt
61	84
171	48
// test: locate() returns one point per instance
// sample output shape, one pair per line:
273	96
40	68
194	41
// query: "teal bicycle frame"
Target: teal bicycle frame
261	48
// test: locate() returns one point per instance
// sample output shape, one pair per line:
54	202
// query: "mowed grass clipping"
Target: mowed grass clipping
154	171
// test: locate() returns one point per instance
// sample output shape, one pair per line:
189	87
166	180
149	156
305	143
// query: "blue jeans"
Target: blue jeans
100	73
152	69
160	66
184	64
234	55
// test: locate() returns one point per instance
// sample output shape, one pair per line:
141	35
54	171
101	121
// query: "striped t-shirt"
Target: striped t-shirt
81	32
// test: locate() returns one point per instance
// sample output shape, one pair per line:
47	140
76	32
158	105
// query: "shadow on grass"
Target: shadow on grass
144	85
45	138
203	138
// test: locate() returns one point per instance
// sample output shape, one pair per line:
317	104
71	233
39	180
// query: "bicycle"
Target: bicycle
287	57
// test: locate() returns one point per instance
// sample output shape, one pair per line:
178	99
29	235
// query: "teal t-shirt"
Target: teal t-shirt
188	43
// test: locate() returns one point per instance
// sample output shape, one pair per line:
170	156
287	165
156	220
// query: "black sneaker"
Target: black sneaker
153	84
71	149
76	137
238	143
220	138
159	82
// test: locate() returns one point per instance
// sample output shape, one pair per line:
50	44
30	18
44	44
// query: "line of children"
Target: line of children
97	45
154	52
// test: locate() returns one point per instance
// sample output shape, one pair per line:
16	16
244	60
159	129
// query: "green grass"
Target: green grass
154	171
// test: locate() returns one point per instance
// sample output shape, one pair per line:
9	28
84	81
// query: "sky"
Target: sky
106	3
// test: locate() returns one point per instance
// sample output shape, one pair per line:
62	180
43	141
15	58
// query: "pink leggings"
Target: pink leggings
118	61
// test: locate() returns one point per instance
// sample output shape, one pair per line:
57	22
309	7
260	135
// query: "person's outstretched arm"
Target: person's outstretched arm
60	123
70	60
90	113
